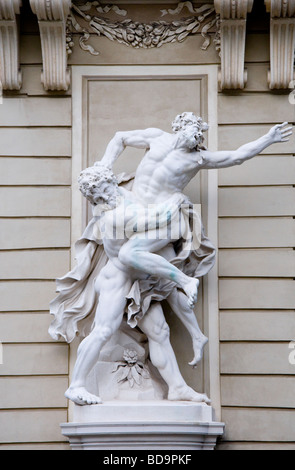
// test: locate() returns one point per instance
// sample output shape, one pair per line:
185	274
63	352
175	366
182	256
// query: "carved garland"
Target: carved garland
137	34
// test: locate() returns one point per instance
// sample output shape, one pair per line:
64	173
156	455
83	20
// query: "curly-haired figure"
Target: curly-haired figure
100	186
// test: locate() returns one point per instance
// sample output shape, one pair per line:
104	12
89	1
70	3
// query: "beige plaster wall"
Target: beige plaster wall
35	211
256	265
256	248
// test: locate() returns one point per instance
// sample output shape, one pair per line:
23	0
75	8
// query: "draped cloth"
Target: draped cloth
75	305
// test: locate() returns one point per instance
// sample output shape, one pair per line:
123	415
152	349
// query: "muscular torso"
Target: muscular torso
164	170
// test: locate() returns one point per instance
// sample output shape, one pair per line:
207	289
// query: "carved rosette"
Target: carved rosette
233	17
10	75
52	17
282	39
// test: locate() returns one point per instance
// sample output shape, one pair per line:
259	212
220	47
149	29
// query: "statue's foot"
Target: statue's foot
198	347
186	393
80	396
191	290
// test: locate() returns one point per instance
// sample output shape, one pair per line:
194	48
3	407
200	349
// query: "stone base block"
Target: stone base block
143	426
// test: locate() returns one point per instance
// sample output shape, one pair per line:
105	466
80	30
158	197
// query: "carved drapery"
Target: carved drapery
10	75
233	17
52	16
282	42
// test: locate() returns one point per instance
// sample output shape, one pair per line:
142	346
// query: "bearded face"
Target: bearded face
190	128
193	136
99	185
110	195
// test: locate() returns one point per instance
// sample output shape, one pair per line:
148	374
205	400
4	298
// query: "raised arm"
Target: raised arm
227	158
139	139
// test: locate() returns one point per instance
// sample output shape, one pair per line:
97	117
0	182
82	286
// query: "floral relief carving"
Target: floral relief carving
137	34
133	370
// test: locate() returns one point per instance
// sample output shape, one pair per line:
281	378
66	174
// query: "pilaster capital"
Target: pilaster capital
233	16
280	8
9	8
52	17
51	10
233	9
10	75
282	38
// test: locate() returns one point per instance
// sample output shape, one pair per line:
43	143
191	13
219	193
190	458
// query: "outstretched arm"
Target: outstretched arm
226	158
139	139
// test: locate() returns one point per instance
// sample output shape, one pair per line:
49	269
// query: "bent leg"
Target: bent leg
178	303
163	358
114	286
141	255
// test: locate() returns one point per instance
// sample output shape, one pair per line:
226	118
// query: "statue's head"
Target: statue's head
99	185
191	127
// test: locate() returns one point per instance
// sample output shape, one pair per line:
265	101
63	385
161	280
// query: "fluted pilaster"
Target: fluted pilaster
233	17
52	17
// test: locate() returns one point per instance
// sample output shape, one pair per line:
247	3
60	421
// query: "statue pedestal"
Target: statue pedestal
162	424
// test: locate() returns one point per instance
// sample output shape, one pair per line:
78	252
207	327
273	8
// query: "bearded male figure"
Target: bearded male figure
170	162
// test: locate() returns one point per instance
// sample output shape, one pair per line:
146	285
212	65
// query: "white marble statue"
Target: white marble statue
132	273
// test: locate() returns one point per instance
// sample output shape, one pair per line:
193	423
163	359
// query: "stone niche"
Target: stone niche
135	413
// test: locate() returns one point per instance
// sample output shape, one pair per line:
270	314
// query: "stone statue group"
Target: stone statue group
145	244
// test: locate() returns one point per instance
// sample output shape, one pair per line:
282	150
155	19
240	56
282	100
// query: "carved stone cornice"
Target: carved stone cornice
10	75
52	18
233	17
282	42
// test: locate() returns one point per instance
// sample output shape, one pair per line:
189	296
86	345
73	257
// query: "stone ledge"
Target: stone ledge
143	425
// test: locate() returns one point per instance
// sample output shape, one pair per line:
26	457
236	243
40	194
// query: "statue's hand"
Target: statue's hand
280	133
